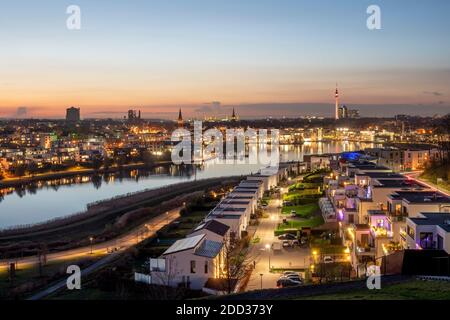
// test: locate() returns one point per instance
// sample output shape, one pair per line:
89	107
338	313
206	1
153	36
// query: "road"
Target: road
415	176
284	258
122	243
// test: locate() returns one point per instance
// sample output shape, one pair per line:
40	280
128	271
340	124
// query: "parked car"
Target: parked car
295	277
328	259
276	246
286	243
284	282
287	236
286	273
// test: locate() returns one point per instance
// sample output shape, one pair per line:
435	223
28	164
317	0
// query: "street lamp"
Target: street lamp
261	275
167	216
268	248
91	239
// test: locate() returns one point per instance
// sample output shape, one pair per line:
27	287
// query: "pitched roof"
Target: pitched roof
185	244
214	226
209	248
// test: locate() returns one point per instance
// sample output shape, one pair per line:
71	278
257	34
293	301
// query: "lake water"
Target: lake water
46	200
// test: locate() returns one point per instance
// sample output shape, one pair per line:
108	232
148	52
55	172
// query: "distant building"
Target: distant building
180	120
353	113
343	112
336	108
233	116
134	116
73	114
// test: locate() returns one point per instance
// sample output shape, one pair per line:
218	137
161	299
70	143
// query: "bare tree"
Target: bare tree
238	262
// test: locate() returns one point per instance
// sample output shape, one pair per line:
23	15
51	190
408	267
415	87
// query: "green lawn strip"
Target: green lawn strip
411	290
303	211
296	225
303	186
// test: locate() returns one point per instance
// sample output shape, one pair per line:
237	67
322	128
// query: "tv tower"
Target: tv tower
336	96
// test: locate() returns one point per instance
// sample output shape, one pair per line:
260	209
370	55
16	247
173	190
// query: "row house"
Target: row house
199	261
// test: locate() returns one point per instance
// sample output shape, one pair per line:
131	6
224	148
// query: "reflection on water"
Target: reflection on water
43	200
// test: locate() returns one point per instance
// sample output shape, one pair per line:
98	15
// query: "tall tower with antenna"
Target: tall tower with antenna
336	108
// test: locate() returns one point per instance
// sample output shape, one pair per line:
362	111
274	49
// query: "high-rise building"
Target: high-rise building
134	116
73	114
336	108
343	112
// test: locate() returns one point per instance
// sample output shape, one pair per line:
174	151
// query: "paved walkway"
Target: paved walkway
284	258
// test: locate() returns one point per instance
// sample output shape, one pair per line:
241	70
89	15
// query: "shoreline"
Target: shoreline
14	182
108	209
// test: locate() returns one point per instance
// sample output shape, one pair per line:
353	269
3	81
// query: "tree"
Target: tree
238	262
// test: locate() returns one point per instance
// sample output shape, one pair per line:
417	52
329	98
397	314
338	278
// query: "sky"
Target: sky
264	57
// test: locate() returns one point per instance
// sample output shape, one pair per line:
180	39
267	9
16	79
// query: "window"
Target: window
410	231
380	223
351	218
206	266
192	266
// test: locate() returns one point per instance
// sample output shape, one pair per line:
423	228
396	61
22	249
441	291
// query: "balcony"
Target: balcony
379	232
365	250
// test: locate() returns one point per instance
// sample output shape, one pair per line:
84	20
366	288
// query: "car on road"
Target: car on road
276	246
328	259
286	243
287	236
295	277
284	282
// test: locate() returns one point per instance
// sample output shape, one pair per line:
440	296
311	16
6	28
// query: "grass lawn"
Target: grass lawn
411	290
303	185
294	224
303	211
300	194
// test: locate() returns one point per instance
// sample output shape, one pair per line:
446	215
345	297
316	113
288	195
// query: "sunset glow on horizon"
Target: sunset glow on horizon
158	56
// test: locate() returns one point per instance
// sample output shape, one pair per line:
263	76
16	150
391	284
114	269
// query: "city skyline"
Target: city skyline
264	59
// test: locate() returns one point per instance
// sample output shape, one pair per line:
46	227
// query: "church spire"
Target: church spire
180	119
233	116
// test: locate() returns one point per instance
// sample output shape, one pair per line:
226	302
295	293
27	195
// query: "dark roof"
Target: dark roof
214	226
388	175
245	190
433	218
233	196
232	201
209	248
422	196
386	183
225	208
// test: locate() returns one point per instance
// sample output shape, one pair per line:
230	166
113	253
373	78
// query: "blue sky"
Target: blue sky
162	54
